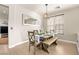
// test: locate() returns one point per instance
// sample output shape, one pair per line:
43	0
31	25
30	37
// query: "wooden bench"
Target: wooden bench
48	42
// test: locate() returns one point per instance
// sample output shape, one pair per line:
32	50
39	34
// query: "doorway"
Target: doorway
4	13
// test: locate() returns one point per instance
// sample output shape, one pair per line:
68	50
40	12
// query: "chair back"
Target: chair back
31	37
35	32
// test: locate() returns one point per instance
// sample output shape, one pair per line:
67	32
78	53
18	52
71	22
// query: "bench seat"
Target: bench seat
50	41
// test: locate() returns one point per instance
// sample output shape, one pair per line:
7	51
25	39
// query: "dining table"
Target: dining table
41	38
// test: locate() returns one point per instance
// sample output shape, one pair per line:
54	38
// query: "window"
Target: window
56	24
50	24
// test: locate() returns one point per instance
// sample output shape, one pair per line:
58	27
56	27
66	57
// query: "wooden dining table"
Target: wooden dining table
40	39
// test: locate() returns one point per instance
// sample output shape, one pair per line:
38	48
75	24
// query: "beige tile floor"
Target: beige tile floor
62	48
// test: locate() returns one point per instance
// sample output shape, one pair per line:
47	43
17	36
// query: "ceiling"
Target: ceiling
38	8
41	9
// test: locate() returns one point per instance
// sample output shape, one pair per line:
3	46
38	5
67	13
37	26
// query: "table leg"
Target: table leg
44	47
55	42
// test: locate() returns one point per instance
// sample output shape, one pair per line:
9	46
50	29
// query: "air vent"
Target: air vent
57	7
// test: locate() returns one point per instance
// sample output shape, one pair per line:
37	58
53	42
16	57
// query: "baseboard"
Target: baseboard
18	44
67	41
27	41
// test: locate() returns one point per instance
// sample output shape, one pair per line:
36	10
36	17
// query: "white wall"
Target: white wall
19	32
3	15
71	23
3	22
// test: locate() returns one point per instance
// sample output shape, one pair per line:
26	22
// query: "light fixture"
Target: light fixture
46	14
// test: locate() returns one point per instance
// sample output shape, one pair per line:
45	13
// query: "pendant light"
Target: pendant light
46	13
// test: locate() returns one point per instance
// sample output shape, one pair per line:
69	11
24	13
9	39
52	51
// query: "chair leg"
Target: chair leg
34	50
29	47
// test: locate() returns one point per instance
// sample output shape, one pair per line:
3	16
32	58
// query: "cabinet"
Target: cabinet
5	35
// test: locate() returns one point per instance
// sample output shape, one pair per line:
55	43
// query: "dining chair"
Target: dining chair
35	32
31	36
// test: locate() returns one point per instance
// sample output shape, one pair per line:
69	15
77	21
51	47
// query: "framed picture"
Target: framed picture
26	19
